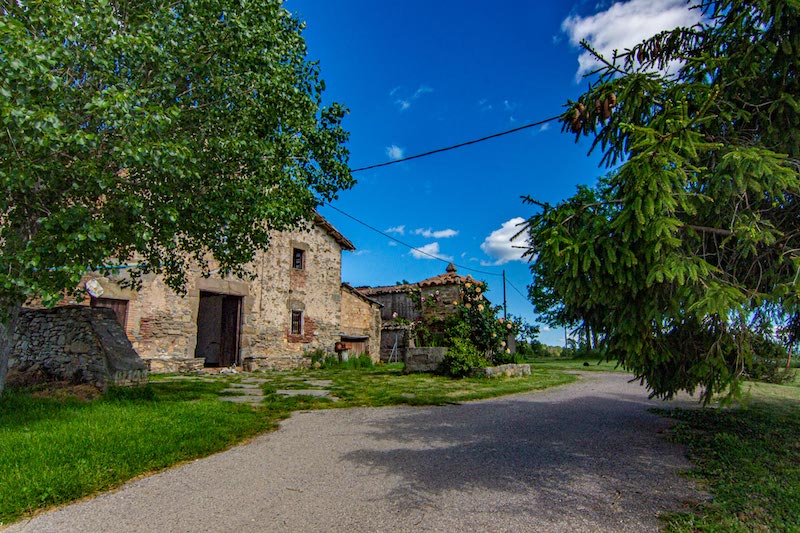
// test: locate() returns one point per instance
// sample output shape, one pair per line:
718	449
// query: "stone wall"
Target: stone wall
75	344
504	371
361	317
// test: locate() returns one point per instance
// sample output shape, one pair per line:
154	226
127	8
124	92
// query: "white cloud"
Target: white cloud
422	89
404	99
394	152
623	25
392	243
545	126
429	251
401	230
437	234
499	245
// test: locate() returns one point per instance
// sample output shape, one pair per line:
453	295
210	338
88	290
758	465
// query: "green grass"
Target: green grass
56	450
52	451
592	364
748	458
386	385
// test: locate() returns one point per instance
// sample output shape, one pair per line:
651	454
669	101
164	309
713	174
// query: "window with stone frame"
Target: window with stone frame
297	323
299	259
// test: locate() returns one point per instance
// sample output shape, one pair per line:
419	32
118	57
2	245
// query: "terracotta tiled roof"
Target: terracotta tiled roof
448	278
389	289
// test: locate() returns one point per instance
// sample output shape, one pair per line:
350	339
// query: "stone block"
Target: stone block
424	359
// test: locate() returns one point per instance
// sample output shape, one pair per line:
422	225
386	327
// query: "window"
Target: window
297	323
299	259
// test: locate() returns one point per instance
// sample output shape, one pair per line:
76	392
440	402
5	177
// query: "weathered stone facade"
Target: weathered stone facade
361	323
74	344
292	306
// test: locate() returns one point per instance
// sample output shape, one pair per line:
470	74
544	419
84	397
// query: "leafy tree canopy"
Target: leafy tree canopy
689	249
158	130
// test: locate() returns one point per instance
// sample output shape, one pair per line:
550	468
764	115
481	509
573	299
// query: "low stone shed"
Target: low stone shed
74	344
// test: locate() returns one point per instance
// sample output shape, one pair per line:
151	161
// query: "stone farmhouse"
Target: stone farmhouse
397	303
296	304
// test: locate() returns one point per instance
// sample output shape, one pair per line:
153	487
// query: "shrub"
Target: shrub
460	359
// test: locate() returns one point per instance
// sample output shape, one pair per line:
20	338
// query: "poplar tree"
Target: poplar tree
687	252
165	131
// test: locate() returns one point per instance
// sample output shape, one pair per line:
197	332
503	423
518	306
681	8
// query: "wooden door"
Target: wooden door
229	337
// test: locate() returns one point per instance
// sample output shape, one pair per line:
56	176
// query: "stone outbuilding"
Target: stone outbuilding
295	304
361	324
397	303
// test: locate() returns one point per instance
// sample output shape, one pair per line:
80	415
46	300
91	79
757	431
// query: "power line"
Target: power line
423	252
453	147
516	289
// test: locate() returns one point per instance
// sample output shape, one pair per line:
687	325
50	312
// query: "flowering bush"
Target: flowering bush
477	321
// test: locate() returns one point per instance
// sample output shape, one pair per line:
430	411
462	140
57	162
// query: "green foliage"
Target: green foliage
680	252
324	360
461	358
351	363
475	319
158	132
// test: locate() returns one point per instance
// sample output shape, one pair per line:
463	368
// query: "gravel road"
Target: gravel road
582	457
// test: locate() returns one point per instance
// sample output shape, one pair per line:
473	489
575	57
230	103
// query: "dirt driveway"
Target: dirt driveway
582	457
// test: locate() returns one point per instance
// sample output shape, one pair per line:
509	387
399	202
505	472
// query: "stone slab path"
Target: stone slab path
582	457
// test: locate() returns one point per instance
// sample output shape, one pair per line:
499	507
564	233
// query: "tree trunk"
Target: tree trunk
7	342
789	356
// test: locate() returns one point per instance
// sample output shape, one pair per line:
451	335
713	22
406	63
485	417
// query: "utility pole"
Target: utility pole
505	305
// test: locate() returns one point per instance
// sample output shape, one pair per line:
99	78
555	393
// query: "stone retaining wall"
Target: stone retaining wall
508	371
75	344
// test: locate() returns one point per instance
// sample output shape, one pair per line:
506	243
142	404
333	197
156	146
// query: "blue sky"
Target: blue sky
419	75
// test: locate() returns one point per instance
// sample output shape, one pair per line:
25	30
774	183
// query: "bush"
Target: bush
460	359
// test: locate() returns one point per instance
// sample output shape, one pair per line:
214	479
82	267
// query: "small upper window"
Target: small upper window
299	259
297	323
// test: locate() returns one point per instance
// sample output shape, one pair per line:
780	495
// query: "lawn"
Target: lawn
584	364
749	458
56	448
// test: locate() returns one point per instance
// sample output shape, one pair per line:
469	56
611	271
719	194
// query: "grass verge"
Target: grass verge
55	449
748	458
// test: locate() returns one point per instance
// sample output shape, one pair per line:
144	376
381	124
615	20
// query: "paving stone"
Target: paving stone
317	393
245	392
319	382
252	400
